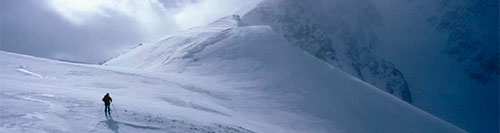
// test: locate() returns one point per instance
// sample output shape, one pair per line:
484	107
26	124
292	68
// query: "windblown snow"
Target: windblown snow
224	77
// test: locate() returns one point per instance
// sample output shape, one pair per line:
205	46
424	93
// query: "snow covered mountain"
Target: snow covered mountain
260	64
224	77
442	56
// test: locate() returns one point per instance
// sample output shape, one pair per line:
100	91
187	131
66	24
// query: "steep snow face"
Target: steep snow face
447	50
257	74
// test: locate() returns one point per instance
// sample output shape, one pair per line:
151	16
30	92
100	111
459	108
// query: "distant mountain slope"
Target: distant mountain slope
338	32
256	67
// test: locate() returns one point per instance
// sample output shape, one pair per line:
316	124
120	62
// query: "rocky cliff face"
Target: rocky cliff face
472	28
338	35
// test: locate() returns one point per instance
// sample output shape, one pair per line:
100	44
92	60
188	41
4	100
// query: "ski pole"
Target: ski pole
101	108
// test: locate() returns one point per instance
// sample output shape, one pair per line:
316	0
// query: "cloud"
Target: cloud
149	15
201	12
77	12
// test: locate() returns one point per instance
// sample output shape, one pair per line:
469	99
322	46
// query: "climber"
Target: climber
107	101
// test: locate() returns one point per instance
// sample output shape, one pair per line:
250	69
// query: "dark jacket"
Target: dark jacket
107	99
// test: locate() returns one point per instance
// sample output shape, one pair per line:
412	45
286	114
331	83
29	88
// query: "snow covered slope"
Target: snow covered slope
440	55
40	95
256	74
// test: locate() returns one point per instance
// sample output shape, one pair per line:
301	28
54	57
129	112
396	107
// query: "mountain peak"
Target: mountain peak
229	21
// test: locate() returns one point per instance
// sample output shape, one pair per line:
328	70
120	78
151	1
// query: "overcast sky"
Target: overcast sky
94	30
